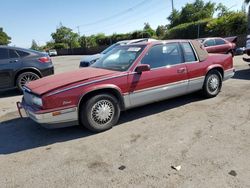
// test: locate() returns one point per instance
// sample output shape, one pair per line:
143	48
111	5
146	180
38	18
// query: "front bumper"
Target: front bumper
54	119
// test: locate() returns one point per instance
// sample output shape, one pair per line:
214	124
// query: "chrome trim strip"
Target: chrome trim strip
84	84
170	84
161	86
164	91
155	94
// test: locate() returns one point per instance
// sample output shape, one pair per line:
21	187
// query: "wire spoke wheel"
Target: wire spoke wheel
213	83
25	78
102	112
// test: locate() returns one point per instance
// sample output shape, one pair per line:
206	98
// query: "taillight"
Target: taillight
44	59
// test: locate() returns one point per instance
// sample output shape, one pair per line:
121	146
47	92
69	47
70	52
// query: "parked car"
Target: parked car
52	52
247	50
88	60
19	66
126	77
219	45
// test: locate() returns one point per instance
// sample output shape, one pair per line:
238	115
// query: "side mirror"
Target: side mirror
205	45
142	68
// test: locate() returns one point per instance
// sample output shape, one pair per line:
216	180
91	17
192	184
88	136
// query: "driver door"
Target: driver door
167	77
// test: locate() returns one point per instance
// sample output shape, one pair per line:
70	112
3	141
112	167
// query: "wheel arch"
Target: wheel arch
107	89
34	70
218	68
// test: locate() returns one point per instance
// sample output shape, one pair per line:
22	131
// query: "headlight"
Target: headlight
37	101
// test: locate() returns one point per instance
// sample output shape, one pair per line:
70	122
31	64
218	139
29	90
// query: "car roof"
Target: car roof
136	41
154	42
21	49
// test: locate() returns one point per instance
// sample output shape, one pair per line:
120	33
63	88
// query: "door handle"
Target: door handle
181	70
14	61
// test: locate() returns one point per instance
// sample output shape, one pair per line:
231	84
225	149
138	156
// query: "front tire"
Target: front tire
100	113
212	84
25	78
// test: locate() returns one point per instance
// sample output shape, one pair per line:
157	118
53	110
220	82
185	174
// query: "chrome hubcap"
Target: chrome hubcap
102	112
213	83
27	78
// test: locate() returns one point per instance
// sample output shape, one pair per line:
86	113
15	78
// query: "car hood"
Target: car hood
54	82
89	58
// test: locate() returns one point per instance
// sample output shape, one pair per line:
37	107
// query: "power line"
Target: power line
128	21
117	14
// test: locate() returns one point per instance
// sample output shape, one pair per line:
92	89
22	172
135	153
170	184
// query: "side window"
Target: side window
163	55
219	42
22	53
3	53
188	52
13	54
209	42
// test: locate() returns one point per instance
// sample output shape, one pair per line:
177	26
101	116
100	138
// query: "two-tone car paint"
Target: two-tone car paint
63	94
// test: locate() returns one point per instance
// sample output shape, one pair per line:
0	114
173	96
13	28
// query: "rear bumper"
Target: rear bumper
229	74
54	119
48	71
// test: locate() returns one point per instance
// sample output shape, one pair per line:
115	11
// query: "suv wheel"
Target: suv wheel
25	78
100	113
212	84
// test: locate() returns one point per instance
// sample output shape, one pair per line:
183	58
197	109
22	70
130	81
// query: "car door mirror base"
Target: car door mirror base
142	68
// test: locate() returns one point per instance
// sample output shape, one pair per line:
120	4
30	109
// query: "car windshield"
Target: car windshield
109	48
119	58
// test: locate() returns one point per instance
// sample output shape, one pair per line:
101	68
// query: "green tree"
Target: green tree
66	37
4	38
234	23
34	45
222	10
148	31
160	31
192	12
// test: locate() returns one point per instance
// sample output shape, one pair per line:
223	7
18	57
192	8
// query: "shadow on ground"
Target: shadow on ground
10	93
242	74
23	134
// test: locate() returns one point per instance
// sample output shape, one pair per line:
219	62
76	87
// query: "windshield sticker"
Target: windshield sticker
164	49
134	49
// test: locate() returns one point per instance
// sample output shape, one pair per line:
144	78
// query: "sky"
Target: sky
25	20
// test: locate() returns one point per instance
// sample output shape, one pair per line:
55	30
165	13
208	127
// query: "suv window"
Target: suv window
188	52
219	42
4	53
163	55
22	53
209	42
13	54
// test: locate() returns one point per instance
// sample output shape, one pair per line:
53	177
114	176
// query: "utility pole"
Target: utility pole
78	29
172	1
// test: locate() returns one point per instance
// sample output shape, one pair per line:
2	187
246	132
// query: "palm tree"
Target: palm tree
248	17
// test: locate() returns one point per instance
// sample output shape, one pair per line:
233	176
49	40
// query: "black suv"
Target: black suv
19	66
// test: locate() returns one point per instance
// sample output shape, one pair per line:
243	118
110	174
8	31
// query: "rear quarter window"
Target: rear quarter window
219	42
22	53
188	52
13	54
209	42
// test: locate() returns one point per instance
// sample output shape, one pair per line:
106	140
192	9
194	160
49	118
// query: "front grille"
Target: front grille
27	97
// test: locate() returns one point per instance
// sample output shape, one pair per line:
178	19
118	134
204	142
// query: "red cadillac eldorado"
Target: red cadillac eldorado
126	77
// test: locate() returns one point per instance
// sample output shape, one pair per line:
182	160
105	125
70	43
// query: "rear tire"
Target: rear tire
212	84
25	78
99	113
